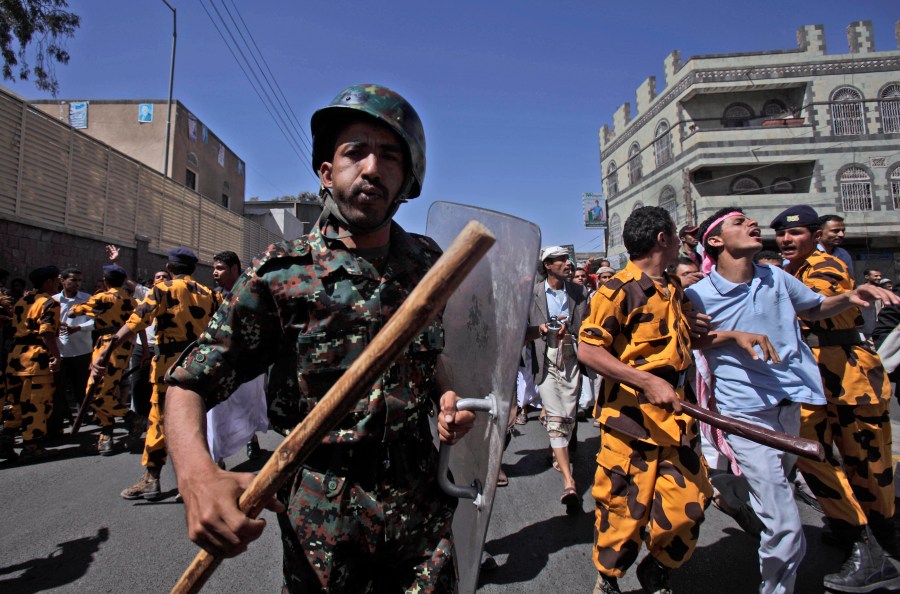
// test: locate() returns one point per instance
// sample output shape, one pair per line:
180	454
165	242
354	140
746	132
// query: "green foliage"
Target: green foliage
42	25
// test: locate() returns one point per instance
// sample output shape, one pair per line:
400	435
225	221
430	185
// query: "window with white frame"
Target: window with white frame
662	146
668	202
612	180
615	230
856	189
889	100
895	187
635	171
847	116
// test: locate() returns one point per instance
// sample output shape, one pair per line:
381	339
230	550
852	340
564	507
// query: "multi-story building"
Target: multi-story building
766	130
197	158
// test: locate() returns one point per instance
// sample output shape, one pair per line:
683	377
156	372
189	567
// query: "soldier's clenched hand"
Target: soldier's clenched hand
660	392
452	423
214	520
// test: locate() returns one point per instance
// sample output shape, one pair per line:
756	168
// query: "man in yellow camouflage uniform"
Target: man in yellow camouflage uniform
181	307
860	491
109	310
651	481
32	362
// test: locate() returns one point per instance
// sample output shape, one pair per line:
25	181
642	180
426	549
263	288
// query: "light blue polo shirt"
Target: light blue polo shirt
767	305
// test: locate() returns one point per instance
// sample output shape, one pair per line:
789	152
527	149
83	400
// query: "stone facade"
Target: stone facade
193	154
766	130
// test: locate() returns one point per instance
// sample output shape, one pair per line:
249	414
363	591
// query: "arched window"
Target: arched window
890	107
192	159
668	202
615	230
737	115
895	187
634	164
746	184
662	146
637	205
782	185
856	189
847	112
612	180
774	108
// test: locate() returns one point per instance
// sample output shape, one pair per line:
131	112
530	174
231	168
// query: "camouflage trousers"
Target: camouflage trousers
393	536
861	490
155	443
28	405
105	401
657	494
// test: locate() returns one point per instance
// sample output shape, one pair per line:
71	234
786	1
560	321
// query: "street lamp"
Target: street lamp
171	82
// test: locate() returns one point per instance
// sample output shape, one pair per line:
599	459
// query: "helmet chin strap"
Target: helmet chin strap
331	210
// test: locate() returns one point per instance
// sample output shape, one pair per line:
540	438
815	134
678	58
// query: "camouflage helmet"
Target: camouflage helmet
384	105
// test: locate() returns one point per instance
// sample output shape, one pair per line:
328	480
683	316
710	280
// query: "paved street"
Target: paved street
65	529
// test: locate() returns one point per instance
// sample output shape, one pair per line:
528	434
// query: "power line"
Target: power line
298	149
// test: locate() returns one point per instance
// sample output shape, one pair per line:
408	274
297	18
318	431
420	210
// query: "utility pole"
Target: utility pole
171	83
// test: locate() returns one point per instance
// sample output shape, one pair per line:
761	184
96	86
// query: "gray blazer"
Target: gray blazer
579	308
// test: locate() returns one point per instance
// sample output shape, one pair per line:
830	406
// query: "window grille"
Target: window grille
782	185
856	190
774	108
634	164
662	146
612	180
746	184
615	230
895	187
890	108
668	202
847	112
737	115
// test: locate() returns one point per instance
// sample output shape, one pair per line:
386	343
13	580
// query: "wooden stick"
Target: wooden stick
767	437
422	305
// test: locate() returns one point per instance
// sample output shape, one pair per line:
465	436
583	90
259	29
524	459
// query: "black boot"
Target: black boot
653	576
867	569
885	533
7	446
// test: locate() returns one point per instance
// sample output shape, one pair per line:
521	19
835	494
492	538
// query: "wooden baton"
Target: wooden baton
767	437
416	312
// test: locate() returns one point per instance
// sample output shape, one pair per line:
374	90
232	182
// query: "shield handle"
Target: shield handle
487	404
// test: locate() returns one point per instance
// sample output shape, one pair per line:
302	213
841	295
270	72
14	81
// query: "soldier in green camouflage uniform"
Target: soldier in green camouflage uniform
365	513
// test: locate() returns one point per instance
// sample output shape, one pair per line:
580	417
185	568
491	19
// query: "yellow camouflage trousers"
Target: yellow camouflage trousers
646	492
862	490
105	401
29	402
155	443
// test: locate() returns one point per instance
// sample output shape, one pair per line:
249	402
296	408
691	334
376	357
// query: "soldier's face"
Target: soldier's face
795	244
161	276
366	173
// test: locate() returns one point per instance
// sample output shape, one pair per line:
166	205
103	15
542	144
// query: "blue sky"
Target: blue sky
512	93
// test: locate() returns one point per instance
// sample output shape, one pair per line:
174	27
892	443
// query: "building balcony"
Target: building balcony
764	131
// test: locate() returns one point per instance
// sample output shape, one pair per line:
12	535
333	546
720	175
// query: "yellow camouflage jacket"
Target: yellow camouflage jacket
109	309
181	307
634	319
851	374
34	315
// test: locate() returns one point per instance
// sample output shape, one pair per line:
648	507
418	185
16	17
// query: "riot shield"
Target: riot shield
485	324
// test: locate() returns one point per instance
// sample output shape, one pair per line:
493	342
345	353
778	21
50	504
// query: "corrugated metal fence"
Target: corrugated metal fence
53	176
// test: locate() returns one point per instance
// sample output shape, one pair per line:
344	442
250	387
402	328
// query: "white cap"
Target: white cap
554	251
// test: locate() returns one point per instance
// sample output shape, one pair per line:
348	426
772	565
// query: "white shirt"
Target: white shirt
81	342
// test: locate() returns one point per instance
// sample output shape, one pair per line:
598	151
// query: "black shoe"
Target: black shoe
886	534
7	447
581	415
105	445
653	577
867	569
606	585
253	451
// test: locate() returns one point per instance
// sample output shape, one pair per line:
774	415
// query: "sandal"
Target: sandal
502	479
571	500
521	418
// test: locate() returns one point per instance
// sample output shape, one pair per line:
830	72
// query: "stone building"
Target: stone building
198	159
765	130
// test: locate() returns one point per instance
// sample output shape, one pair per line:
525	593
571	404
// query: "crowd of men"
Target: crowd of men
774	339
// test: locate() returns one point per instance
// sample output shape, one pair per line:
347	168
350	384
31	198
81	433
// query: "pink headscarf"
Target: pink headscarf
708	262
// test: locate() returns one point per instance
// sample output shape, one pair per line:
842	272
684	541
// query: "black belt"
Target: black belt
172	348
368	463
829	338
675	378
